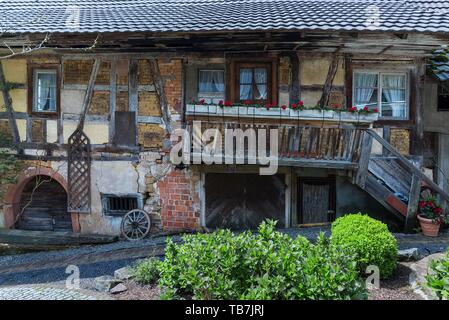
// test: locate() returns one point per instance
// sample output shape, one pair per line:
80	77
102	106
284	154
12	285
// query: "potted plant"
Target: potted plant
431	215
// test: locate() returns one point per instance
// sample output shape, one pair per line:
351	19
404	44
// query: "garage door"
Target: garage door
243	201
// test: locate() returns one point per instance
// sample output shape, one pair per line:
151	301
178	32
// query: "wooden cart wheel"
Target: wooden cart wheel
135	225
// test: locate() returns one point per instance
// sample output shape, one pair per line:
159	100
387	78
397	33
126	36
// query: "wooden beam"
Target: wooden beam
89	93
9	108
348	80
112	98
413	200
332	71
159	86
365	155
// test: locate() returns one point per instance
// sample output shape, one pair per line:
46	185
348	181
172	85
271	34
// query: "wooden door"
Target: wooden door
43	206
243	201
316	200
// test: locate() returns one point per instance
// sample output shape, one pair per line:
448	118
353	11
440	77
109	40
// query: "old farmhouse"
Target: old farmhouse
350	98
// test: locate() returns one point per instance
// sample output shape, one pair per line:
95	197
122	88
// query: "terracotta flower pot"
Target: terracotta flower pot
428	227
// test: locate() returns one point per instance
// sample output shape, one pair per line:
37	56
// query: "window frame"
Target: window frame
233	75
441	88
32	68
380	73
253	67
210	95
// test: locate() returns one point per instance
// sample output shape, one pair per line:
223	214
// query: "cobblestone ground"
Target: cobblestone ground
46	293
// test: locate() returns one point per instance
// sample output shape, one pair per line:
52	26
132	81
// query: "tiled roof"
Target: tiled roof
439	64
35	16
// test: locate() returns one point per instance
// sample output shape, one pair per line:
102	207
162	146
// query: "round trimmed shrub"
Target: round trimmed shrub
372	241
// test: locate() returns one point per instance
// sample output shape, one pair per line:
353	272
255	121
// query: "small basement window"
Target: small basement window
121	204
443	97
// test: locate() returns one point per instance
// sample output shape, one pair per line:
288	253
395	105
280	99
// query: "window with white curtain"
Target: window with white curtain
253	84
382	90
211	86
44	90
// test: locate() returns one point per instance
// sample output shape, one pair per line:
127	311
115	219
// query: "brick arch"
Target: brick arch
14	193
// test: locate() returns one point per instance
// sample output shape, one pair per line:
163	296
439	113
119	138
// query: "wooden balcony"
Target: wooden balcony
331	146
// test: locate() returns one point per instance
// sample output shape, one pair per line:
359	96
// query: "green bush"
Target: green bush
147	271
438	277
266	265
371	240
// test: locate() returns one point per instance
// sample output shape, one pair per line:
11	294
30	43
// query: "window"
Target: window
120	204
253	83
44	90
443	97
211	85
384	91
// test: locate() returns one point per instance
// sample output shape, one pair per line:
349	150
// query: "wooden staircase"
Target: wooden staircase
393	180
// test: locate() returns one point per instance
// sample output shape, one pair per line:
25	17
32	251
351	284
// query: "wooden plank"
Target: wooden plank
332	71
9	108
159	86
112	98
89	93
412	208
365	154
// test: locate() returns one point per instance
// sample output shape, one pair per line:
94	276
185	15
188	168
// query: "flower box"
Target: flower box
312	114
356	117
201	109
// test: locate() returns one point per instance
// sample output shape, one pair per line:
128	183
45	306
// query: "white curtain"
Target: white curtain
393	92
211	81
365	84
46	92
246	78
261	83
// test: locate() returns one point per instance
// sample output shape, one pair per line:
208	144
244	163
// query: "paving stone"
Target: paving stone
411	254
42	293
105	283
124	273
118	288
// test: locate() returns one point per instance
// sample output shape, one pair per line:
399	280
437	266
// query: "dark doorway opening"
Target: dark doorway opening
243	201
317	200
43	206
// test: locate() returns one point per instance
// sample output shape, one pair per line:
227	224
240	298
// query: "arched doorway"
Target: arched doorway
43	206
13	197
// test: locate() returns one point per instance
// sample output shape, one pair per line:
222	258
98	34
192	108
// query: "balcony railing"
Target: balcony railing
313	146
248	112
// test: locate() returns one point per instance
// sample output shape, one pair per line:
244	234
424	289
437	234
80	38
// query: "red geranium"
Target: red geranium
220	103
247	102
268	106
294	105
228	104
352	109
366	108
376	110
430	208
301	103
202	101
284	107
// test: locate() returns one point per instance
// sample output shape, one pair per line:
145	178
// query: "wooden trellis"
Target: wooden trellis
79	160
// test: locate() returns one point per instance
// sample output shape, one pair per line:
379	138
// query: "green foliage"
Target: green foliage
266	265
438	277
371	240
9	164
147	271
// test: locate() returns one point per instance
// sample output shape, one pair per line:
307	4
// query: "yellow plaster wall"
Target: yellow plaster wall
22	127
19	99
15	70
313	70
98	133
52	131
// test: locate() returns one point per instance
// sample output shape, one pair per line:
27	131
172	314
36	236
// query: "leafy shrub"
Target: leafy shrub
438	277
147	271
266	265
371	240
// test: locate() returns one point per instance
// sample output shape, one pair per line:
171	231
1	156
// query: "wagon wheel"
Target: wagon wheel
135	225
